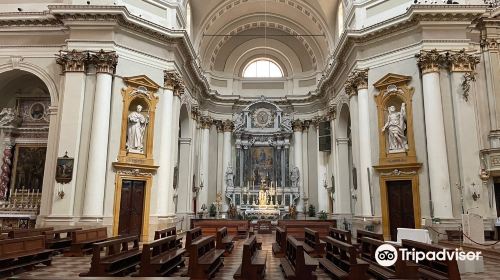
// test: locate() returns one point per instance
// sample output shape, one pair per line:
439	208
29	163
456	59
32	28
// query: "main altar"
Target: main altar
263	184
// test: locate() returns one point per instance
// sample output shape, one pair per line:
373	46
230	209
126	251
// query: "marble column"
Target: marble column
297	152
176	107
220	155
305	164
105	63
73	65
334	166
206	123
6	171
165	158
439	176
464	100
353	169
323	185
226	159
358	83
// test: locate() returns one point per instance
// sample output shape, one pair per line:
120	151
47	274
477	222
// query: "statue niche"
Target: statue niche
139	106
394	107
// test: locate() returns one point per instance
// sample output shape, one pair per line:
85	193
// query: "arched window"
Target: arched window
340	18
262	68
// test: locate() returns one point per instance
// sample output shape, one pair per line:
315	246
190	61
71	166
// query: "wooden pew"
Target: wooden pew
119	259
432	269
224	241
161	257
400	270
297	264
204	258
296	227
370	234
82	240
264	227
59	239
191	236
313	245
342	262
210	226
19	233
171	231
253	262
25	252
280	244
340	234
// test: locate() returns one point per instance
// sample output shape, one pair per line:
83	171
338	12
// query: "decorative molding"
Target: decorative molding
466	84
72	61
173	81
297	125
430	61
356	80
228	126
461	61
397	172
206	122
104	61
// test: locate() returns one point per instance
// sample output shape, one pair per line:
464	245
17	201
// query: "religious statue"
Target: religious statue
395	129
137	123
232	211
292	211
295	177
230	177
8	117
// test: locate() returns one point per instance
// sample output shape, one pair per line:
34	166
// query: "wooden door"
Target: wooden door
131	207
497	198
401	212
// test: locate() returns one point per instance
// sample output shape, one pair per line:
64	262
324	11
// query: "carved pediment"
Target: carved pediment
142	81
391	79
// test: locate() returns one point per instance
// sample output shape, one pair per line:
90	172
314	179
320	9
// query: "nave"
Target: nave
70	267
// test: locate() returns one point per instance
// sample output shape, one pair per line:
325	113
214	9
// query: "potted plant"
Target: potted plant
312	211
212	211
322	215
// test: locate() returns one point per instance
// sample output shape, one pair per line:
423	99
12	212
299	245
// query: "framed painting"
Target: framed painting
29	165
64	169
262	164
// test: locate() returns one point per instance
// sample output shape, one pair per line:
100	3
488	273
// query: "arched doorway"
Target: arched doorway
25	115
343	205
183	197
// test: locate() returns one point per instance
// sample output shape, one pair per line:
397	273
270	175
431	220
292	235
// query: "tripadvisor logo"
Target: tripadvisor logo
386	255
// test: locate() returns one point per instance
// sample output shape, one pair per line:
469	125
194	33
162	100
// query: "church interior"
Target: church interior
249	139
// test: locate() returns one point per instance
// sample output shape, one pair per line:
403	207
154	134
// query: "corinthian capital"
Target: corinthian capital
430	61
462	62
228	125
355	81
173	81
72	61
104	61
297	125
206	122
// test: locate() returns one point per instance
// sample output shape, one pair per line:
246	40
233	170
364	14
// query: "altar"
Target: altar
262	183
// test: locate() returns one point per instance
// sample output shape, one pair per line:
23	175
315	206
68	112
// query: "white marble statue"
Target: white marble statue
137	124
295	177
230	177
238	121
395	129
8	117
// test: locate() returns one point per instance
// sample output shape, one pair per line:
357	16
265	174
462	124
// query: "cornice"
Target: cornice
414	16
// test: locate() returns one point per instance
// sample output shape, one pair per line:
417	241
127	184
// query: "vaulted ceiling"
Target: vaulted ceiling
246	22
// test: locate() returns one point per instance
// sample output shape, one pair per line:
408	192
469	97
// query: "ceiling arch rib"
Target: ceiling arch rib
248	27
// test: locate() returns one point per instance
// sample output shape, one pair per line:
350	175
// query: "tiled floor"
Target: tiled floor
69	268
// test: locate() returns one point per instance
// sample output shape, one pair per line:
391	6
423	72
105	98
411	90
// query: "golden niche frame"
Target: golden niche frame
393	89
140	90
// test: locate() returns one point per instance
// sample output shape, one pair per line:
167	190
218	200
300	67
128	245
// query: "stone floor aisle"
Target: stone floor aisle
69	268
